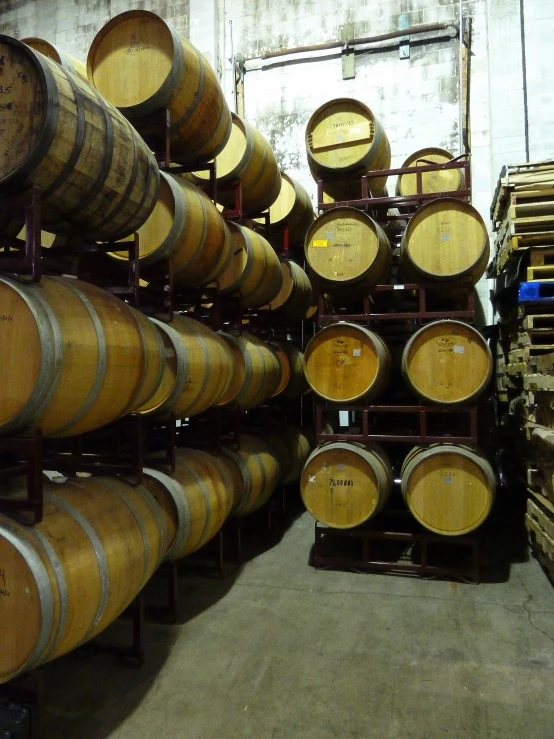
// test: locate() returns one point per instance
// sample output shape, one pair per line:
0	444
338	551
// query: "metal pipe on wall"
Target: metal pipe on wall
412	31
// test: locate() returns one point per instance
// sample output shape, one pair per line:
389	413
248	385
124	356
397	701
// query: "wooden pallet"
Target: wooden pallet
540	273
542	545
537	321
509	247
526	181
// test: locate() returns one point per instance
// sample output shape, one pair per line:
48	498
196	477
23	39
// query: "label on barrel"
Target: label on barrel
320	242
357	353
457	349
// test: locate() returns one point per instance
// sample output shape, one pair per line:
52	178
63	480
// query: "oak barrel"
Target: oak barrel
61	57
447	362
247	158
442	180
175	374
295	297
67	578
344	247
195	500
448	488
445	241
296	384
257	372
96	175
345	484
211	367
293	210
185	228
345	362
345	140
254	270
299	441
78	356
141	65
259	466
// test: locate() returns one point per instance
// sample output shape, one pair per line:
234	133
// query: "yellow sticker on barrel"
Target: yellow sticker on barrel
320	242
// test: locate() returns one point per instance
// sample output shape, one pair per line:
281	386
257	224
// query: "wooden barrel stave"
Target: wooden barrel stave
95	173
296	295
257	371
58	55
345	362
93	358
58	600
344	485
142	65
447	362
292	210
247	158
448	488
446	242
186	229
296	384
175	375
211	367
260	470
254	270
346	249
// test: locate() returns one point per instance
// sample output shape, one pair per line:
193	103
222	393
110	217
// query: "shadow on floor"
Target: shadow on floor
88	695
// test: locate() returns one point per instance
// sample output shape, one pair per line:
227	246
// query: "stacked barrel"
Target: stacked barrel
378	357
77	358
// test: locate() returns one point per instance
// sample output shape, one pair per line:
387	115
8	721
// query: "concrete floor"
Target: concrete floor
280	651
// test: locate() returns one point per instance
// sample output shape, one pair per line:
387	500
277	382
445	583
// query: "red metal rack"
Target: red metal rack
373	309
375	556
407	203
461	416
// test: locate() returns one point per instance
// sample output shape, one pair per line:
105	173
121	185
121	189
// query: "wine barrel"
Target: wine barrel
345	140
299	441
445	241
247	158
67	578
296	384
293	210
345	362
294	299
442	180
185	228
195	500
254	270
77	357
345	247
141	65
96	175
175	375
257	372
211	367
61	57
447	362
260	470
448	488
344	484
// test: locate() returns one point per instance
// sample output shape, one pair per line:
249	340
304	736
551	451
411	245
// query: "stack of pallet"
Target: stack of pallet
523	216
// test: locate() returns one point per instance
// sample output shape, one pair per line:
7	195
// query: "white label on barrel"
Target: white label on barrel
340	139
330	235
356	352
445	237
457	349
447	480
